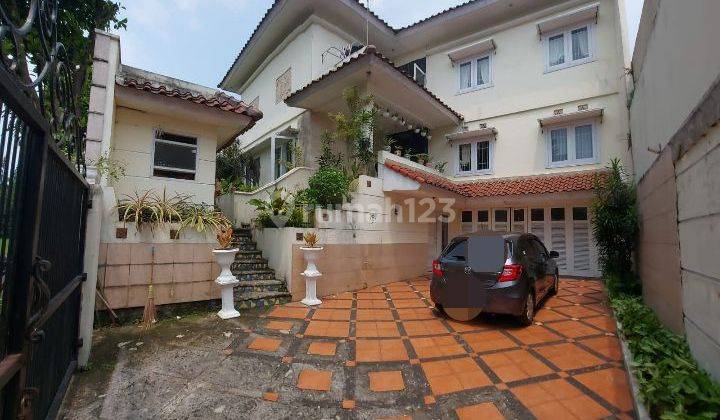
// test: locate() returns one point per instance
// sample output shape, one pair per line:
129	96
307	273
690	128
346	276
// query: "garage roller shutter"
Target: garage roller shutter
581	245
557	243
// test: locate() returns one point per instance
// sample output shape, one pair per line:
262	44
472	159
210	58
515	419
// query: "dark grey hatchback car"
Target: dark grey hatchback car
497	272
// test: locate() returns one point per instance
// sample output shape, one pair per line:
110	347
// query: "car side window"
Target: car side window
540	249
457	251
526	248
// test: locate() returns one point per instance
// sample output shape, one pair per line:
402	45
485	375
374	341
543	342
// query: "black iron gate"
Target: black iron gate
43	203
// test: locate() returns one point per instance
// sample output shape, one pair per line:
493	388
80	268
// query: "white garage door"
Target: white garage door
563	229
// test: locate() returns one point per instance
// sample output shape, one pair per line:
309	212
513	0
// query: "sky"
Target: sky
198	40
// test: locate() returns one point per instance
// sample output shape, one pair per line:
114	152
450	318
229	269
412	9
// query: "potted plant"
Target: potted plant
276	207
440	167
311	251
224	256
422	158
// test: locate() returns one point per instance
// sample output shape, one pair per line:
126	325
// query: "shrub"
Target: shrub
231	164
328	186
615	227
671	383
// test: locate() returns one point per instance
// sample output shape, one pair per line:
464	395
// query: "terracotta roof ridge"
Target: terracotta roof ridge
218	100
582	180
372	50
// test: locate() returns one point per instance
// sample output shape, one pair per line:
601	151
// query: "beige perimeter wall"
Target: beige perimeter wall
698	182
182	272
356	266
659	248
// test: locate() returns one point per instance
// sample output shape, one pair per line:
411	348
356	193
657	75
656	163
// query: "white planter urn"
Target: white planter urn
226	280
311	274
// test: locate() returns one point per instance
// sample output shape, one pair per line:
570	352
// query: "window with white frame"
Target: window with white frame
174	156
475	73
474	157
572	144
569	47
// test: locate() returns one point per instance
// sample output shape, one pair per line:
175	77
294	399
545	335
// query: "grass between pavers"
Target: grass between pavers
671	383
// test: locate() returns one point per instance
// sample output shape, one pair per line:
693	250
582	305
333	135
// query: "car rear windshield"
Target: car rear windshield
457	249
485	253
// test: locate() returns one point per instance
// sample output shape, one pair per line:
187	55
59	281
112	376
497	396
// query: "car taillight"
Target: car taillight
510	272
437	269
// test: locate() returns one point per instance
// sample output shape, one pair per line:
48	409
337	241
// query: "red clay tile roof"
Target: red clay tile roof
537	184
371	50
219	101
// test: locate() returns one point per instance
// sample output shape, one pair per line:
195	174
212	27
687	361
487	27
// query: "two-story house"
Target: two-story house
520	104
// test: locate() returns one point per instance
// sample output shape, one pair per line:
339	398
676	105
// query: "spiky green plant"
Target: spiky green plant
203	218
277	204
140	209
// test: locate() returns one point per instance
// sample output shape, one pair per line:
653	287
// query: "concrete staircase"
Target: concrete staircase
258	286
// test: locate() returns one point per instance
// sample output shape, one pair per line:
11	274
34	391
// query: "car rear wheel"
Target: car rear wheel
526	318
462	314
556	285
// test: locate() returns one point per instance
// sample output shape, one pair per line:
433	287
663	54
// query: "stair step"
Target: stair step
260	286
242	239
246	246
248	254
261	299
250	275
247	265
260	283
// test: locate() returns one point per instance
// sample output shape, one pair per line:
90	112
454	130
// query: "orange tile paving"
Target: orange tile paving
453	375
322	348
567	365
316	380
386	381
485	411
265	344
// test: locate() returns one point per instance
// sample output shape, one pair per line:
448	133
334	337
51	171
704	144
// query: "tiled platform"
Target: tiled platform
385	351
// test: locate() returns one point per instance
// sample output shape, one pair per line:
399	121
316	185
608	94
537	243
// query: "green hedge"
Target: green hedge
671	383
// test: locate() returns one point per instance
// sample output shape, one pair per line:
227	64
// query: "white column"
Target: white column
101	109
272	158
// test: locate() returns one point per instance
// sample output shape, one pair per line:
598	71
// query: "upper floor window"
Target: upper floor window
572	145
569	47
283	86
174	156
417	70
475	73
255	103
474	158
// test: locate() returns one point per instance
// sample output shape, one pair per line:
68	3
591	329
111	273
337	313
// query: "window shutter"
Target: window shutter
581	245
557	242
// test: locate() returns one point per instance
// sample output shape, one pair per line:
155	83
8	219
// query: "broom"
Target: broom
148	318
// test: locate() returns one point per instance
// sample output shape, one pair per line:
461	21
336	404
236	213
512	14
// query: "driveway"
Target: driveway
377	353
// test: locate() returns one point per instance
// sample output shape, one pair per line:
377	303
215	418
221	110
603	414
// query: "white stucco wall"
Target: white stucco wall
302	52
674	65
132	144
522	92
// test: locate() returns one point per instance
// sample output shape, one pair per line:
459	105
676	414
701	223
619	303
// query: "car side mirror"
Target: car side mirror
554	254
